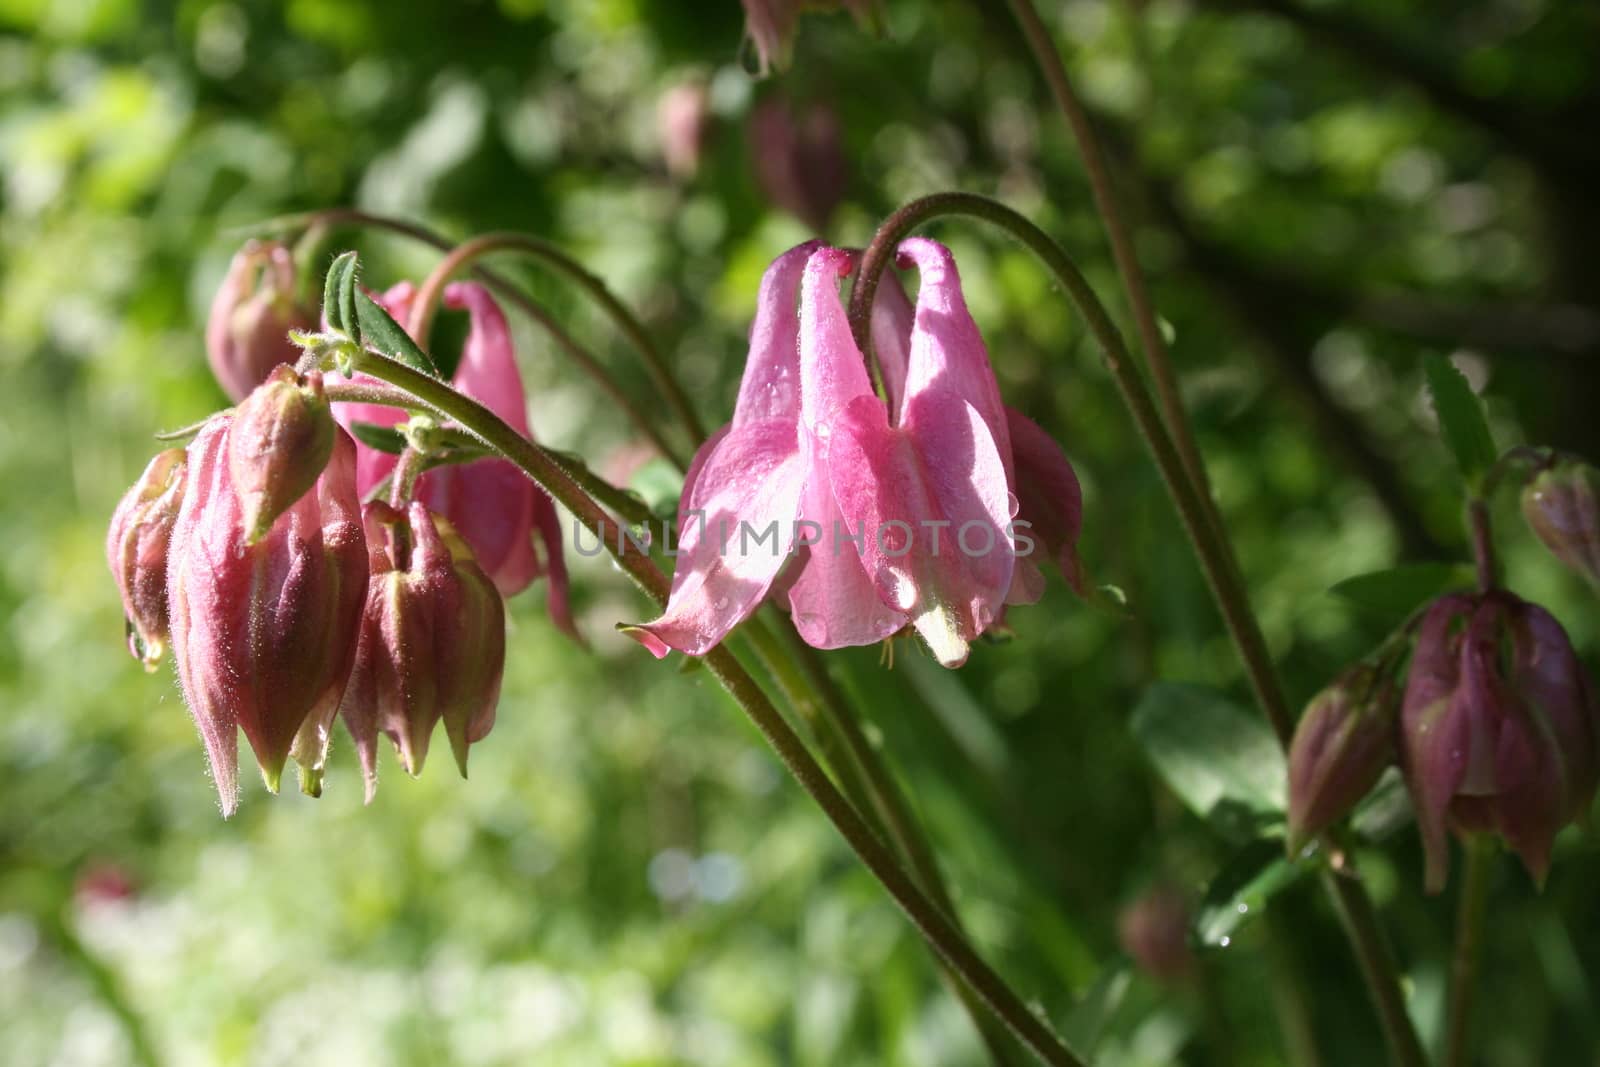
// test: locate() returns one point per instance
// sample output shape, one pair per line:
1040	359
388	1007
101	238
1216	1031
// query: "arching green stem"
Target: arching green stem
1205	535
928	918
506	290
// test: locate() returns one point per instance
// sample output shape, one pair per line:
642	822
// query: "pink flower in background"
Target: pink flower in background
799	161
495	508
683	124
264	630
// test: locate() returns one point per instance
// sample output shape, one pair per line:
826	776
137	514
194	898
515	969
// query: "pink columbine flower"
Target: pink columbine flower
433	641
891	521
770	25
1499	728
264	630
247	332
493	505
137	546
799	159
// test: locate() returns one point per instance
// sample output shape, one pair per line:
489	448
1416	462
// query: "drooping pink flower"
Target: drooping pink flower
264	631
493	505
770	25
1500	730
432	645
247	332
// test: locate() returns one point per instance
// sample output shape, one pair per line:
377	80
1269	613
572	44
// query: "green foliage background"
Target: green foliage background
629	877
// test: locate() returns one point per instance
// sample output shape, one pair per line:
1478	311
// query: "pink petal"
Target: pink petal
750	483
832	370
1049	499
832	601
930	501
947	351
892	319
488	368
770	387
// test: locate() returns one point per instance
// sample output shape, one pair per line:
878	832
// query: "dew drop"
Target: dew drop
1013	505
1225	942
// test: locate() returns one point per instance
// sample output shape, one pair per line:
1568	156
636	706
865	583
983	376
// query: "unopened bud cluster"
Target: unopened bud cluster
287	603
1496	729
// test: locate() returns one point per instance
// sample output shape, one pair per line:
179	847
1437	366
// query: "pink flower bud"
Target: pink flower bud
1343	742
770	25
432	641
799	159
280	442
264	631
1499	728
136	548
1154	932
251	316
683	123
1562	505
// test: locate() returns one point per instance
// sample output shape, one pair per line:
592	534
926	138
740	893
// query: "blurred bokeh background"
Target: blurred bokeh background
1325	194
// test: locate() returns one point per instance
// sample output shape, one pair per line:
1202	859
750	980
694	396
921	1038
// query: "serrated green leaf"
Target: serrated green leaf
382	334
1221	761
1241	890
382	438
1395	593
338	295
1461	417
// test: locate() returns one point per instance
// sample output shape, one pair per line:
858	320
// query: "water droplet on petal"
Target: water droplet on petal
1013	505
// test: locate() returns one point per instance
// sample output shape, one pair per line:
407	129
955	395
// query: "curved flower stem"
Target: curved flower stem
1210	546
1469	946
508	291
925	915
1157	357
1483	557
804	682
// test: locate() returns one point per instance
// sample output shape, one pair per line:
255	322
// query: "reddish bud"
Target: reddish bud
247	333
280	442
264	630
1562	505
1343	742
1499	728
432	641
799	159
683	123
136	548
1154	932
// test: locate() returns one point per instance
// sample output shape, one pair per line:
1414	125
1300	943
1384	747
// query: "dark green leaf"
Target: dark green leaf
382	334
1461	417
382	438
1395	593
1221	761
339	293
1239	892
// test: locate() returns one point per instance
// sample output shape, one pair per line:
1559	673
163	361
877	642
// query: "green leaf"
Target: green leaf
1221	761
338	295
1395	593
1461	417
382	438
659	484
1385	809
1239	892
383	334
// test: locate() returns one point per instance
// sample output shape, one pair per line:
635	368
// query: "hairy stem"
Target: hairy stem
1205	535
511	293
1469	950
928	918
